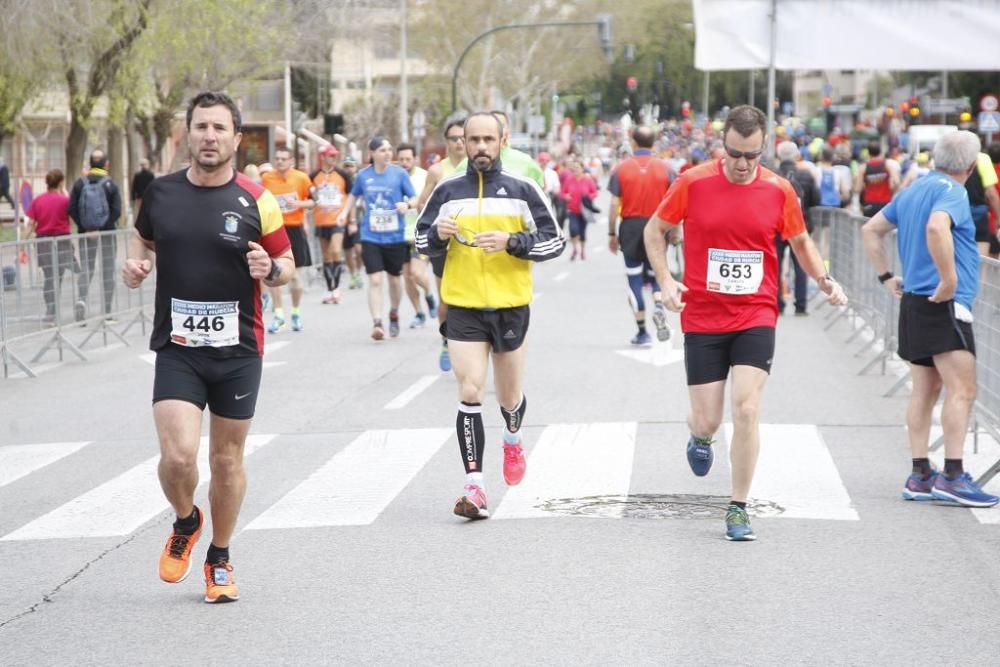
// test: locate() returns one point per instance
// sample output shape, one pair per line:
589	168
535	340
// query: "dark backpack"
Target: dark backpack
94	209
788	172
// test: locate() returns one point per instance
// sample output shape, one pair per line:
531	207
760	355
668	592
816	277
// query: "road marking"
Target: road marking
657	355
536	296
573	461
16	461
561	277
353	487
118	506
411	392
795	470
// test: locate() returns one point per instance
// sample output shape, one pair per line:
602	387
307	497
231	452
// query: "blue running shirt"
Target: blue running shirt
382	225
910	211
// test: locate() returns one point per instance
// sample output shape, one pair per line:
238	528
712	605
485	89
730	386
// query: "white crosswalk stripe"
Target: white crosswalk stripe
118	506
353	487
17	461
573	461
796	472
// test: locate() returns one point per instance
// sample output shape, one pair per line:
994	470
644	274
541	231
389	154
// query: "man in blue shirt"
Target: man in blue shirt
387	192
940	264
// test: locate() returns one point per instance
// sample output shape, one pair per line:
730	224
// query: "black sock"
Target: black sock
328	275
642	325
922	467
953	468
739	503
515	418
188	525
217	555
471	435
338	271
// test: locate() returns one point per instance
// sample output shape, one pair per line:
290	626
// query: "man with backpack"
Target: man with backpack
794	169
834	185
95	204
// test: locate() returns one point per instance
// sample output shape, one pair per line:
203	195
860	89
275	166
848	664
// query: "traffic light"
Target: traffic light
333	123
965	117
631	83
827	101
914	111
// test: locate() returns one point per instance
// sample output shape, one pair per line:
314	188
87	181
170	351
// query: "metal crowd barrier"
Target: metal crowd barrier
62	294
874	315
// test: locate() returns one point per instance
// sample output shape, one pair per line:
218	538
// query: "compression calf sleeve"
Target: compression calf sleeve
471	435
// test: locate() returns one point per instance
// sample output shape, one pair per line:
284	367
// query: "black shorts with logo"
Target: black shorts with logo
389	258
228	385
300	245
927	328
327	233
709	356
504	328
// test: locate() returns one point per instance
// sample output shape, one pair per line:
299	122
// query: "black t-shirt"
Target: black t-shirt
140	182
205	296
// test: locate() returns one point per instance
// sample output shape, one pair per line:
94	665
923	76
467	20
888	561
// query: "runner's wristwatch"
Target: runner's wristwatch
275	271
884	277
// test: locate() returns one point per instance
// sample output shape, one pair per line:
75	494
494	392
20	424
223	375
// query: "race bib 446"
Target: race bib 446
204	323
734	271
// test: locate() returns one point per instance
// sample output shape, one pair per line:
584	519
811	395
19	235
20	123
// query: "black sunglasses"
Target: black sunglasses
750	156
458	235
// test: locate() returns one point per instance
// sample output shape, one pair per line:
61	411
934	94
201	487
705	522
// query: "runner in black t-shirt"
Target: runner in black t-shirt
215	235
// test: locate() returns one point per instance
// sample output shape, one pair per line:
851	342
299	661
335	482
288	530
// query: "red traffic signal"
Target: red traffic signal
631	83
827	101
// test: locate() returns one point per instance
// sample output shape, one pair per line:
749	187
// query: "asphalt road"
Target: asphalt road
610	552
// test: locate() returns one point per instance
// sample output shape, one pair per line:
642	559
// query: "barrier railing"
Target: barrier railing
61	294
874	314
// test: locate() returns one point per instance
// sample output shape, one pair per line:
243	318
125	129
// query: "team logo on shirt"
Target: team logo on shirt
232	224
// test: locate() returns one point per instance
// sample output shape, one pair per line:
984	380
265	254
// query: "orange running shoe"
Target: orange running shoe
219	583
175	560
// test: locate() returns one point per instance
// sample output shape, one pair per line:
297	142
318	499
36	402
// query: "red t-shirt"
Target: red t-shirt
730	260
575	189
641	183
51	213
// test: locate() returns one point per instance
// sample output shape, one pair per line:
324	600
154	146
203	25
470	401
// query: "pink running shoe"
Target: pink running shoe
329	298
473	504
513	464
336	296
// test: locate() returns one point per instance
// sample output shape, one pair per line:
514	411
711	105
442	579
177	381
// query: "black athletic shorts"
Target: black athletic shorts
300	245
630	238
927	328
437	265
709	356
328	232
504	329
981	218
389	258
229	386
351	240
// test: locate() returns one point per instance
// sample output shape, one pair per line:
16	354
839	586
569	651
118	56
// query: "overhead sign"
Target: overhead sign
946	105
989	121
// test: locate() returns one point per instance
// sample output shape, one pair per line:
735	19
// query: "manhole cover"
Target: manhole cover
655	506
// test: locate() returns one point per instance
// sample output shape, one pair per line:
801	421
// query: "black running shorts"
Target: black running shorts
504	329
229	386
437	265
709	356
328	232
300	245
389	258
927	328
351	240
630	238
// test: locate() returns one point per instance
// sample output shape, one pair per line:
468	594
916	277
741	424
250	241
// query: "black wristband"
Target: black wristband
885	276
274	273
513	244
612	234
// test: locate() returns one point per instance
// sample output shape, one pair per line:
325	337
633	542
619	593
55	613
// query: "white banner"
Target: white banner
848	34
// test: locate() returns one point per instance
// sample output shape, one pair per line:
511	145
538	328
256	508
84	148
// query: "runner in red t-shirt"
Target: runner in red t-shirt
731	209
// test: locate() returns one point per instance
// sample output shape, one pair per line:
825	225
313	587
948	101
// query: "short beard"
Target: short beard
486	168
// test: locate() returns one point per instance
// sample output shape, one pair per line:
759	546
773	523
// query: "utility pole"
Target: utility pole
404	129
289	137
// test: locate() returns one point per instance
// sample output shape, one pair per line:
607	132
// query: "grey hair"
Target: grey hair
787	150
956	151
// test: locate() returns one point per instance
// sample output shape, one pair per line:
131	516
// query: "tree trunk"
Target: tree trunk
118	167
76	145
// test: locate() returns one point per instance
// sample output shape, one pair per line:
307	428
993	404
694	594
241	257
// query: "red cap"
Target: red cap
329	149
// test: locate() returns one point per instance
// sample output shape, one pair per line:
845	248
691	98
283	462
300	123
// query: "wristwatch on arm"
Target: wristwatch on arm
885	276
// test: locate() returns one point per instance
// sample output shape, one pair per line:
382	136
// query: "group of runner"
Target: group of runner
217	236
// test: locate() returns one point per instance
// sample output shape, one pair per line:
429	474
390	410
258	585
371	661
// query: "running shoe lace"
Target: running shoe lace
178	543
704	441
737	515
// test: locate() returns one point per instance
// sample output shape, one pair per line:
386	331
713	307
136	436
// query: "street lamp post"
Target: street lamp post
603	23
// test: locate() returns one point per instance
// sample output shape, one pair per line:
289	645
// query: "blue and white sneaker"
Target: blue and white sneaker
296	322
738	525
918	488
962	491
277	324
444	360
641	339
265	302
700	455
